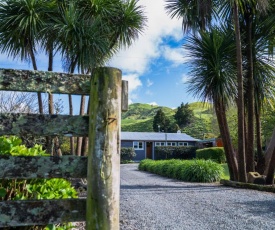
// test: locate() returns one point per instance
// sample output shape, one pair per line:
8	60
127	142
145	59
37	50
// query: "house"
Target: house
212	142
144	143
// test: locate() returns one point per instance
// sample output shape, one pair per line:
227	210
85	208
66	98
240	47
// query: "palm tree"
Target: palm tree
20	23
247	17
242	12
195	15
263	33
213	78
89	33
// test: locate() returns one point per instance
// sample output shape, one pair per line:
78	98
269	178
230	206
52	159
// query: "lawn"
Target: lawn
225	176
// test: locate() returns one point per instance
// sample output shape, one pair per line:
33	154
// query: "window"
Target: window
160	144
183	144
138	145
171	143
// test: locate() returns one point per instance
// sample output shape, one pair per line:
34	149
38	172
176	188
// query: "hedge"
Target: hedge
214	153
186	170
175	152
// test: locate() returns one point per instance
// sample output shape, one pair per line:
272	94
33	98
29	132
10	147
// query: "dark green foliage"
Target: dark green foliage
144	164
186	170
21	189
161	122
139	118
127	154
214	153
175	152
183	115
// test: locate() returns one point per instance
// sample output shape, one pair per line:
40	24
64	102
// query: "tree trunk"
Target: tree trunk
39	95
250	97
81	112
240	100
49	140
71	113
225	134
260	156
85	140
270	170
50	96
269	152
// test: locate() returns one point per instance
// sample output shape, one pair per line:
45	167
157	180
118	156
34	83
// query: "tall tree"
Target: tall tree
213	78
183	115
160	122
91	32
196	15
20	23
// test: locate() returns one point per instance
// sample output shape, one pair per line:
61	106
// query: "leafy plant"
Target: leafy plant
21	189
127	154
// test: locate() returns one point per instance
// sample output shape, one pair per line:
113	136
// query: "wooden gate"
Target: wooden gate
108	97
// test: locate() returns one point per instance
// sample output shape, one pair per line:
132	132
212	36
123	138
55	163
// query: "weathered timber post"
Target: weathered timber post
104	150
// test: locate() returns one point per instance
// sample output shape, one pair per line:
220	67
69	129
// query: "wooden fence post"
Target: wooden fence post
104	150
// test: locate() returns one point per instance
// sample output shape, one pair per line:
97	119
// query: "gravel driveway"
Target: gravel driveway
152	202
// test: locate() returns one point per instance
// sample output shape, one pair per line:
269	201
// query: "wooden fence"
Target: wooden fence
108	97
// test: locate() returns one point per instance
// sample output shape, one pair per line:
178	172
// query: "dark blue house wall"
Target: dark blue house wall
140	154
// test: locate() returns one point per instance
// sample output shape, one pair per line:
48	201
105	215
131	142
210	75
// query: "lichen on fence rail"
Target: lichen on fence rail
42	167
41	212
41	81
43	125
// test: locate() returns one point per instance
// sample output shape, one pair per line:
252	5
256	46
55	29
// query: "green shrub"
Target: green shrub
21	189
143	164
175	152
201	171
186	170
214	153
127	154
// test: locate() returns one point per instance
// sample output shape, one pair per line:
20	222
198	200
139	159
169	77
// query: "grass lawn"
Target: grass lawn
225	175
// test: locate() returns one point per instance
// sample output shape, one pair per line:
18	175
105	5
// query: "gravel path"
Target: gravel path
151	202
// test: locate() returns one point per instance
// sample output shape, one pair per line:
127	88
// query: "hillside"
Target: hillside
139	118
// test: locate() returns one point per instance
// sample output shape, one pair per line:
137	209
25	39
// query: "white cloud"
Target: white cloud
175	55
133	81
184	78
135	60
149	83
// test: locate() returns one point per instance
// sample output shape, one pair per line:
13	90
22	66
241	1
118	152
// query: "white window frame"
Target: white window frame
138	145
160	143
171	143
183	144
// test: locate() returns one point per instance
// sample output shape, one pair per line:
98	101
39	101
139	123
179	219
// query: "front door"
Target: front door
149	150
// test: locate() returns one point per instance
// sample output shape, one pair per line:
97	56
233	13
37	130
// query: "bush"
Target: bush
21	189
201	171
127	154
144	164
185	170
175	152
214	153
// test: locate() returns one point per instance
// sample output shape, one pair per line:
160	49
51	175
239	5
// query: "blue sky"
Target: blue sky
155	65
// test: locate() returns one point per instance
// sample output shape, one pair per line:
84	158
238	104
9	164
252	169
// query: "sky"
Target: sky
155	65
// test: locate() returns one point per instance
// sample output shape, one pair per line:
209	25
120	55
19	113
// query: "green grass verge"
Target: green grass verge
225	175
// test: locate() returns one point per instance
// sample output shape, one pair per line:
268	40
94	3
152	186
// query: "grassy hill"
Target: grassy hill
139	118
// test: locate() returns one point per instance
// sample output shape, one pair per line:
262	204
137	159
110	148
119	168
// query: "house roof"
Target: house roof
149	136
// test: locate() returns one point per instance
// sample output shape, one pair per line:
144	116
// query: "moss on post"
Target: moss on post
104	150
